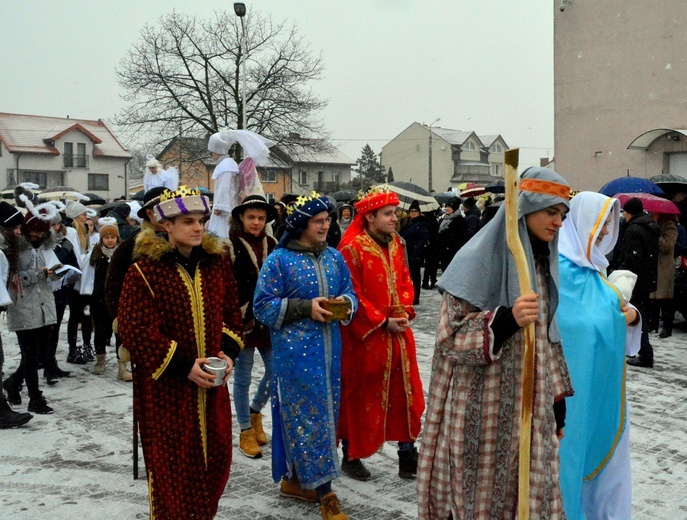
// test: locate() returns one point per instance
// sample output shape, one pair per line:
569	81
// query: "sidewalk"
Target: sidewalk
77	463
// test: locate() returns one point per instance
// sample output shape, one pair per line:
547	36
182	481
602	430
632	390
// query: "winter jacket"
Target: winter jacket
666	257
416	235
639	253
452	236
33	304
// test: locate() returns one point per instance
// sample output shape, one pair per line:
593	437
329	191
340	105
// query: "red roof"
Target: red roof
22	133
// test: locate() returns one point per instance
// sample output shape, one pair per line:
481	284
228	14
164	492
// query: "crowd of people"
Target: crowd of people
327	296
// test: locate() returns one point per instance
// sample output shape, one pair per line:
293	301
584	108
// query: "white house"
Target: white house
455	156
54	151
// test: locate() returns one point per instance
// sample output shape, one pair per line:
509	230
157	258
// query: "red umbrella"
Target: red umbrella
651	203
470	189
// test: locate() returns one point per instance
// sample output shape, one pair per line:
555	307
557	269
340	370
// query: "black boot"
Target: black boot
75	356
407	463
39	405
11	419
88	353
354	468
13	391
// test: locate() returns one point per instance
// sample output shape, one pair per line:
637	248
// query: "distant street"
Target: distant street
77	463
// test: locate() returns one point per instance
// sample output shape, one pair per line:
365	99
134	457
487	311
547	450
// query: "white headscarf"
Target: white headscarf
589	212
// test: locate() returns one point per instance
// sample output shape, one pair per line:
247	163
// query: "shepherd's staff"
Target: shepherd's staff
516	249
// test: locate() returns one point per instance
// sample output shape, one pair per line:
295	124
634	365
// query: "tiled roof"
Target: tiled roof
34	134
457	137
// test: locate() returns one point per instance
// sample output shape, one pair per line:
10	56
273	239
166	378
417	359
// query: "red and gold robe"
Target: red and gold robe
167	319
381	389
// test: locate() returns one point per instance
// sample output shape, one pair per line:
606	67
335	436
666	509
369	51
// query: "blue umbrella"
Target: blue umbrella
630	185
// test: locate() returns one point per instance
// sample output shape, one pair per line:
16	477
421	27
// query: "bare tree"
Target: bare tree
184	78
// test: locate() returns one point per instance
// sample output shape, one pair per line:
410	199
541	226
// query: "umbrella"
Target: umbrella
497	187
443	198
651	203
408	192
105	208
630	185
345	195
94	198
52	189
470	189
61	195
670	183
139	195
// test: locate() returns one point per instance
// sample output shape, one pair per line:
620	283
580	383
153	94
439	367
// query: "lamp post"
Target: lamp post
240	11
430	153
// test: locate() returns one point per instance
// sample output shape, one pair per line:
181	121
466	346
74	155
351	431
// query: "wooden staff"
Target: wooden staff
516	249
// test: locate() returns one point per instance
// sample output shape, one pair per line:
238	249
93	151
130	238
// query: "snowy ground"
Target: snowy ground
77	463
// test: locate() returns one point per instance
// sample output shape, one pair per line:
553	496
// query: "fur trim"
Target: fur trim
151	246
51	209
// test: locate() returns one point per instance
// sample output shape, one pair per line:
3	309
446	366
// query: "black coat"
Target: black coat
638	252
416	235
451	239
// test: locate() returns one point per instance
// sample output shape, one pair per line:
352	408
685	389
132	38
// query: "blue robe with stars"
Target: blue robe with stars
306	390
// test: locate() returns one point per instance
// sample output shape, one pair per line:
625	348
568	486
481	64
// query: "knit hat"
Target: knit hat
75	209
108	226
256	202
56	219
181	202
454	203
122	210
9	215
150	199
634	206
415	205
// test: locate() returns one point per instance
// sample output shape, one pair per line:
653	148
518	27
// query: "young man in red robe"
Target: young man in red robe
382	398
179	306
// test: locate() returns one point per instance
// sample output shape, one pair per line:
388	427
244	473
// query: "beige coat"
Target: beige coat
666	258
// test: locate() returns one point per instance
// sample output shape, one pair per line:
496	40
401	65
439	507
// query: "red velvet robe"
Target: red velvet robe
381	389
165	315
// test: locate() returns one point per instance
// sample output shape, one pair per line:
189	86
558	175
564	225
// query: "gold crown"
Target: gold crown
374	190
182	191
301	201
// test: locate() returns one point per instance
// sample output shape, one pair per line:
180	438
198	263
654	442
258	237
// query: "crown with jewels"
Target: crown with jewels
181	202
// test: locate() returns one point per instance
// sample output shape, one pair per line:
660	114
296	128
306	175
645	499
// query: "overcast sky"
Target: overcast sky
482	65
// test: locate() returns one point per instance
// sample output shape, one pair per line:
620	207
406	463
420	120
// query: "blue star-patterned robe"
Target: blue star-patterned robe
307	362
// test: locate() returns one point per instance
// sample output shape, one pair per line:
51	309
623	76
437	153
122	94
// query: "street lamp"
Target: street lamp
240	11
430	152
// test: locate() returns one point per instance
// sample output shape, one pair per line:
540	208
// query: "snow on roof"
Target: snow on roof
37	134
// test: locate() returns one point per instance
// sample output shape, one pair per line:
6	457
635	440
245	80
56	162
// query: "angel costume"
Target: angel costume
595	452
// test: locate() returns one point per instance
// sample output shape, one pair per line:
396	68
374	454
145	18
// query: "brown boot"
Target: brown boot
249	445
99	368
331	509
256	424
292	489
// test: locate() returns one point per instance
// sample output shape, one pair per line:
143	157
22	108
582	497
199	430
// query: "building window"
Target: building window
269	176
469	145
40	178
497	148
496	170
81	155
269	197
302	177
98	181
68	155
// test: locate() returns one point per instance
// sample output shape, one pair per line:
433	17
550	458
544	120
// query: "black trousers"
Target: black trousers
641	301
415	267
76	316
103	326
32	344
431	267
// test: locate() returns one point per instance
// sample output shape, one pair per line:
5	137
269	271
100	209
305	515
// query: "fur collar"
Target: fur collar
152	246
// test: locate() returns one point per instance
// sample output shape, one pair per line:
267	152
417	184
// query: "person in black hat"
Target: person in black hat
453	232
10	220
638	253
249	245
120	262
416	234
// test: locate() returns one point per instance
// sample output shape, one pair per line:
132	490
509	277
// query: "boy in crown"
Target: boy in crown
179	306
381	397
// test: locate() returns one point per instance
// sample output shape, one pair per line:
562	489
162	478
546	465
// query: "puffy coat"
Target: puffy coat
33	306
